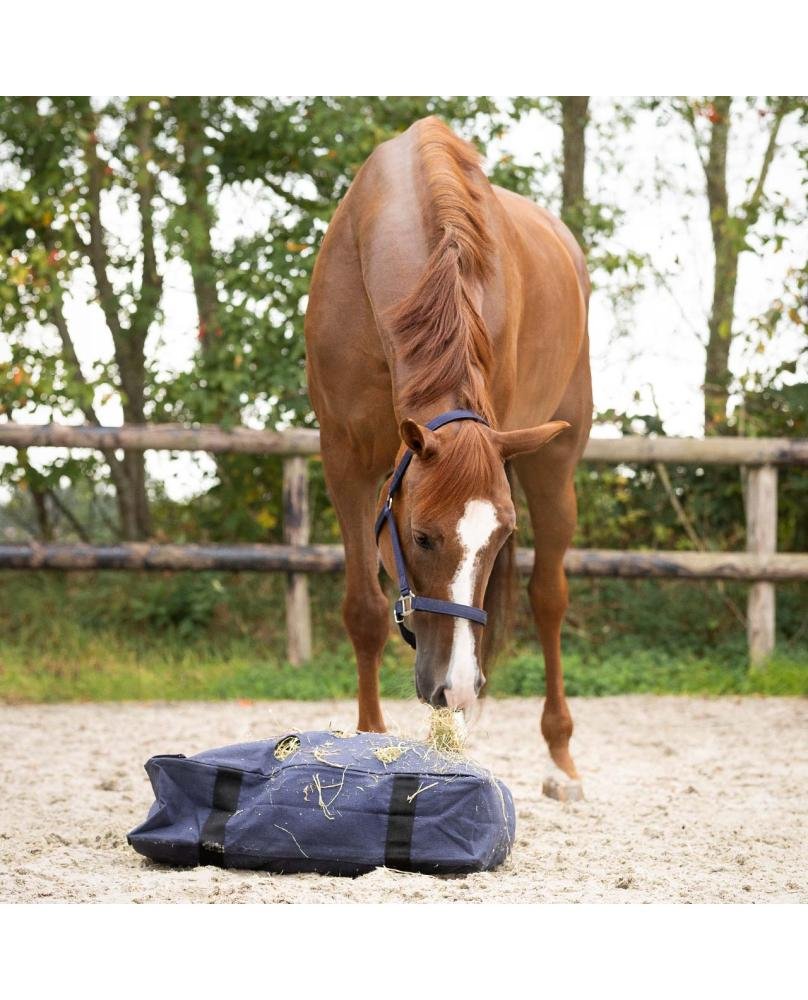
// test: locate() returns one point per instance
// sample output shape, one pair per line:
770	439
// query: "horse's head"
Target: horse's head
454	512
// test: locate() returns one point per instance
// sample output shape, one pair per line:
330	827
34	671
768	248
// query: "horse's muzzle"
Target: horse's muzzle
443	695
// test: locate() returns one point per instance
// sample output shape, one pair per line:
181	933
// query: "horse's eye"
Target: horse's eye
421	540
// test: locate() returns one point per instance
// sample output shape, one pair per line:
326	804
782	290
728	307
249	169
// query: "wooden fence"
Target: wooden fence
761	564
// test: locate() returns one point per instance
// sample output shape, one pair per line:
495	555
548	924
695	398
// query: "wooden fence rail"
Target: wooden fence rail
306	441
299	560
761	564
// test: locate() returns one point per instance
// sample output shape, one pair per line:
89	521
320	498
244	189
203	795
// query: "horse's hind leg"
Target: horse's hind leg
365	609
547	481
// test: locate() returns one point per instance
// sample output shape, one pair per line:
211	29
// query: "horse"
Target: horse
447	330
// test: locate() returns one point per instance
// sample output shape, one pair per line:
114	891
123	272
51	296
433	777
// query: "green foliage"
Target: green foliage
652	672
245	673
74	168
116	191
121	636
632	507
184	605
782	411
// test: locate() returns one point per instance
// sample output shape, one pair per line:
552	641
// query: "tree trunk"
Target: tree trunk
39	498
134	505
200	218
129	475
41	510
133	500
726	248
574	118
128	526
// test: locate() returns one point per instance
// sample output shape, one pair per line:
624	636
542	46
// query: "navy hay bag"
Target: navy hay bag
327	802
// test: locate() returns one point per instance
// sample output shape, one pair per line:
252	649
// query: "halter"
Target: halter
408	601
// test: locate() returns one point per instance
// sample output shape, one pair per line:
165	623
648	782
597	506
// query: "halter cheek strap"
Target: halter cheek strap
408	601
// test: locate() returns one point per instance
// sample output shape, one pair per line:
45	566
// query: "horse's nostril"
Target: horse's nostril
438	698
479	681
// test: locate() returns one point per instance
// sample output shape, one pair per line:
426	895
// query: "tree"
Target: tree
574	118
731	229
110	194
67	159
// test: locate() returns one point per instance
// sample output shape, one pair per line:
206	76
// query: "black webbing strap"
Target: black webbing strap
226	791
400	820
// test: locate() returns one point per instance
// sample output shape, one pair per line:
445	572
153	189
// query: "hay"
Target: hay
294	838
447	732
286	747
323	753
389	754
320	788
422	788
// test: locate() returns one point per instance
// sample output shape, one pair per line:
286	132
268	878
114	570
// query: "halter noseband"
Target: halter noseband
409	602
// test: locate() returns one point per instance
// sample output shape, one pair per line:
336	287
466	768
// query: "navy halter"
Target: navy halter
409	602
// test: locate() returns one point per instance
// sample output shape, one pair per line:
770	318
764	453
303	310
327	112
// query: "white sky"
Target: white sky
663	352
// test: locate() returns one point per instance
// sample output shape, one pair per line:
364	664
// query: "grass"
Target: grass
121	636
108	670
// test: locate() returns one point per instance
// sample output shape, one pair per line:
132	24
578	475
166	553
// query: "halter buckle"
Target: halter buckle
406	608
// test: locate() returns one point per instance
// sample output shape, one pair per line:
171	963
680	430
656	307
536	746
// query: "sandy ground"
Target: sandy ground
688	800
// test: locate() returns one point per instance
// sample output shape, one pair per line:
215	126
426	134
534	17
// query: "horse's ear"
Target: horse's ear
418	439
512	443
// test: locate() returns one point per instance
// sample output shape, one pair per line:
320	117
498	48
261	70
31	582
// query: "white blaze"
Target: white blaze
474	529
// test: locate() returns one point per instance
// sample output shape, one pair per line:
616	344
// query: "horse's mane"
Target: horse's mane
443	337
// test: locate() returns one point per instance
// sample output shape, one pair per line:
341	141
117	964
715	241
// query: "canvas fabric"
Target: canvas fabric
330	806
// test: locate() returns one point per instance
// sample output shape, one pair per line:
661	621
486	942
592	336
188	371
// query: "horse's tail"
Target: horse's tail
500	596
445	342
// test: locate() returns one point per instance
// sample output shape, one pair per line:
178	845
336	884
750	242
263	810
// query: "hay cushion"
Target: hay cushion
327	802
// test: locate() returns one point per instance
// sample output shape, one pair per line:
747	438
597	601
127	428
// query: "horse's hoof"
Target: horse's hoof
563	791
560	786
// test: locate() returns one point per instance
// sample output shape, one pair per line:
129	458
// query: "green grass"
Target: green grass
650	671
122	636
109	671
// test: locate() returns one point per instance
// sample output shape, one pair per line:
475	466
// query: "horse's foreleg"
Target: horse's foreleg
553	515
365	609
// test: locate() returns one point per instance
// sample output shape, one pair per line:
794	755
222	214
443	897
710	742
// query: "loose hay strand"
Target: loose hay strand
421	788
320	788
294	838
322	754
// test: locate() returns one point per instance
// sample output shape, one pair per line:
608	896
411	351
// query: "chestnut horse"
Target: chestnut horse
436	291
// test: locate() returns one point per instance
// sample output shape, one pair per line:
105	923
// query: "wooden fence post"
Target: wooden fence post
296	530
761	538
